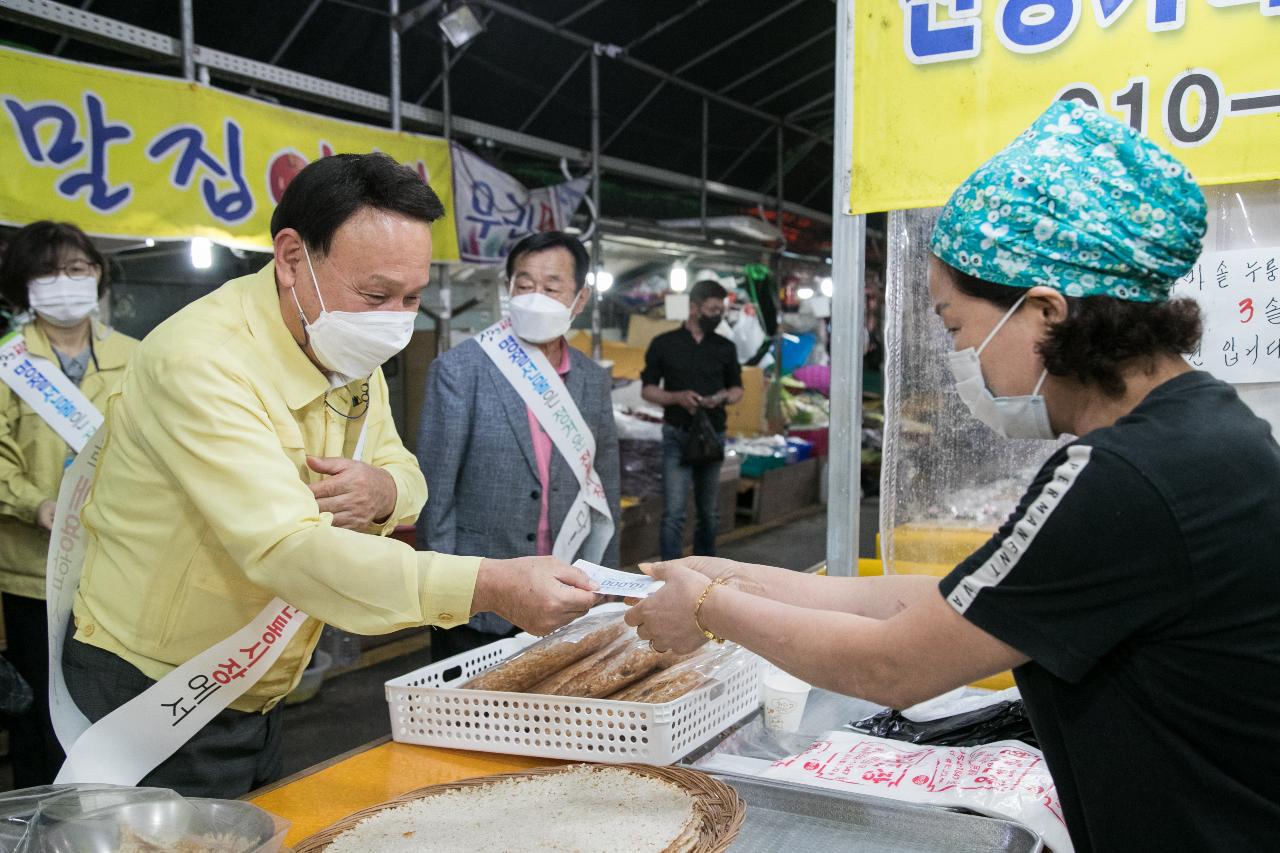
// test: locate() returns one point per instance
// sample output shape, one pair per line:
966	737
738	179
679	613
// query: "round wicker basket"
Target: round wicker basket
718	809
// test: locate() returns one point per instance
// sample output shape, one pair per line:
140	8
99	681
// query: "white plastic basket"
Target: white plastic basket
426	710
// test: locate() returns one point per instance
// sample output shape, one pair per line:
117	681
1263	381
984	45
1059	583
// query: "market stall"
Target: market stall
757	759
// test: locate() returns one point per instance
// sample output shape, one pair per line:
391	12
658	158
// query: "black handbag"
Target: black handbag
702	446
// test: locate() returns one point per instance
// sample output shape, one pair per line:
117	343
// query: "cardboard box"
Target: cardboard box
747	416
628	361
780	491
642	329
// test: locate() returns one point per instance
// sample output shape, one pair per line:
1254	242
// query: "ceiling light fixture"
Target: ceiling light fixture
461	25
201	253
601	281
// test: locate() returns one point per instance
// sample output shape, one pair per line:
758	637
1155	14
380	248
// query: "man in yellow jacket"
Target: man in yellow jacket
52	270
229	476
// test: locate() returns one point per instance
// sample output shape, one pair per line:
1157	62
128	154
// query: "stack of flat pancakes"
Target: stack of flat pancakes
582	809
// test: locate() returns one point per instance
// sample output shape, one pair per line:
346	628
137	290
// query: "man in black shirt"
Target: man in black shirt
696	369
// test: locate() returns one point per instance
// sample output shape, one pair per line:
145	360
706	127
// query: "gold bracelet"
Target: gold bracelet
697	609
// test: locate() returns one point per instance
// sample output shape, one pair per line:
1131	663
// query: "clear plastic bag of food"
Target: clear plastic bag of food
618	665
551	654
708	664
119	819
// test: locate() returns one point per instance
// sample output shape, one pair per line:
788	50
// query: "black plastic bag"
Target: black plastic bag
15	693
1001	721
702	446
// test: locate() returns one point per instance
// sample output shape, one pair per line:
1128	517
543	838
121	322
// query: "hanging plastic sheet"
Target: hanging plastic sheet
947	481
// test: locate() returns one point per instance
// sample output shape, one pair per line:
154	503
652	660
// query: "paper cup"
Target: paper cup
783	697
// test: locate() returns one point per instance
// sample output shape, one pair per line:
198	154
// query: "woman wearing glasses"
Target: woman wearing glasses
51	279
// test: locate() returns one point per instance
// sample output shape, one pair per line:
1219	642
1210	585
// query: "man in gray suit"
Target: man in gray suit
496	482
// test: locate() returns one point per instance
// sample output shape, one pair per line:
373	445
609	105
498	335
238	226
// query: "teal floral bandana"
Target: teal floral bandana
1079	202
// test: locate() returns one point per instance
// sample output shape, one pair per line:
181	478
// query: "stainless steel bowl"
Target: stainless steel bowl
162	821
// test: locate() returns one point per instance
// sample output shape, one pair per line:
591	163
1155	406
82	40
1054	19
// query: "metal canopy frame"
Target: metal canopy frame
777	60
293	33
404	22
738	36
821	99
798	81
98	29
461	52
555	90
663	25
619	54
848	232
785	169
848	275
747	152
582	10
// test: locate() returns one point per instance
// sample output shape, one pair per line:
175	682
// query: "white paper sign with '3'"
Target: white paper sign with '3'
1239	294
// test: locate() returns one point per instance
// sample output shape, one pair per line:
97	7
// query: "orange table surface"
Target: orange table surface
326	793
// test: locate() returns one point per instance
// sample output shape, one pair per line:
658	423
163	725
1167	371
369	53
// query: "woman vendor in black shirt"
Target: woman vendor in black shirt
1135	589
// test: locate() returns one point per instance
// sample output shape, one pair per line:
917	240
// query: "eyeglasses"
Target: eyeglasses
523	284
74	269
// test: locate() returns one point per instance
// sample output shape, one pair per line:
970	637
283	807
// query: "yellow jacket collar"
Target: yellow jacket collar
300	381
107	357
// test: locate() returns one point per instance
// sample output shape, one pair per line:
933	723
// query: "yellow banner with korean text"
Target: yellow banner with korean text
130	155
941	85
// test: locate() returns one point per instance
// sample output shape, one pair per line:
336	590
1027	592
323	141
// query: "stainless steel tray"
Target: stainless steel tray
782	816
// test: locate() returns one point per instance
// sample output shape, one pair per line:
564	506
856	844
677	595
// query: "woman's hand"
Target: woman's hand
666	618
737	575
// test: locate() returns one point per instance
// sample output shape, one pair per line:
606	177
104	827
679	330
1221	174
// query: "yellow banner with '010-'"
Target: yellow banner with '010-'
135	155
941	85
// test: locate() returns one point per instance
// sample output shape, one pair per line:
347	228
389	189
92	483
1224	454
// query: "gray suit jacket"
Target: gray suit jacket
475	449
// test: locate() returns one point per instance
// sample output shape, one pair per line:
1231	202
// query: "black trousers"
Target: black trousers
231	756
447	642
33	747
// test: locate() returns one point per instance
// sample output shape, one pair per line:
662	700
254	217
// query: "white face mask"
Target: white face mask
63	300
1011	417
353	344
537	318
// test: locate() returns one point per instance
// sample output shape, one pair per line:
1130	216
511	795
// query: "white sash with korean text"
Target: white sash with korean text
43	386
131	741
589	524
